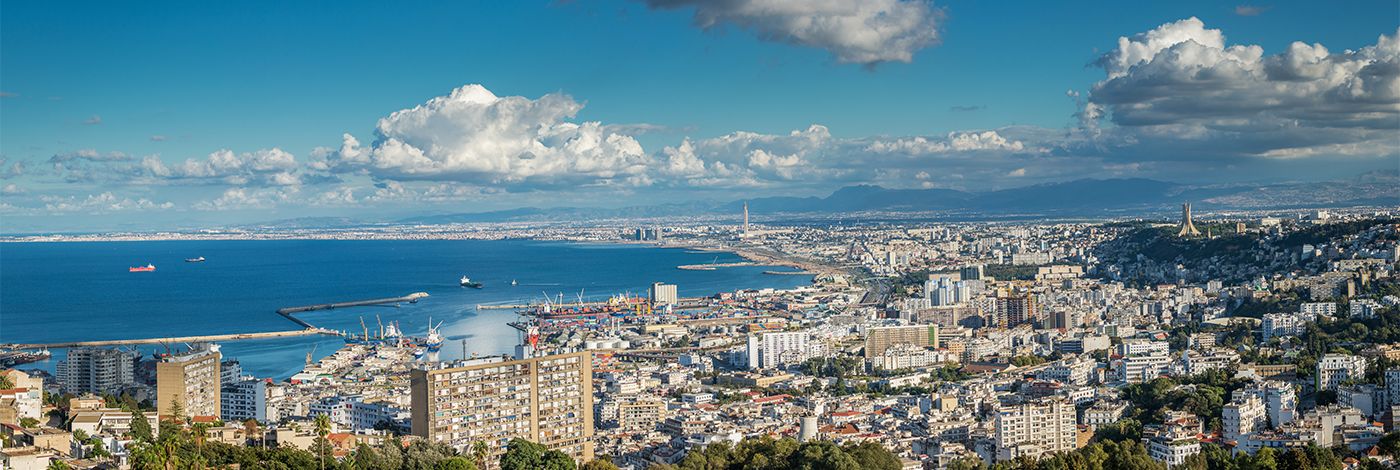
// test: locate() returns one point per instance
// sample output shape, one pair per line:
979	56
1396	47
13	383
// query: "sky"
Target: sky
224	112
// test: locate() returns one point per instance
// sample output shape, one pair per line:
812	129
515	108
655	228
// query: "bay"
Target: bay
82	291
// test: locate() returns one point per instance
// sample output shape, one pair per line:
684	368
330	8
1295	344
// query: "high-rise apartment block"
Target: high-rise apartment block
784	348
95	370
548	400
877	340
190	378
1033	429
1018	310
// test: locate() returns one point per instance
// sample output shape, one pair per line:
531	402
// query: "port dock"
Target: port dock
285	312
181	339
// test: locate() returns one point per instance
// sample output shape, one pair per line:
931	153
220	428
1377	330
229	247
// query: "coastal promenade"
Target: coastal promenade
181	339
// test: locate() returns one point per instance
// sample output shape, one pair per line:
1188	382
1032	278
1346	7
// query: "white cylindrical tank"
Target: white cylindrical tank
590	344
809	428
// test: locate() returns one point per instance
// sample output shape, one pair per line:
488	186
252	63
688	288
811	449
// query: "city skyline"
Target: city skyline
156	114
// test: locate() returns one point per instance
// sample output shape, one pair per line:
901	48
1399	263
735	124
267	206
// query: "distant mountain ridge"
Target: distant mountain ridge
1079	197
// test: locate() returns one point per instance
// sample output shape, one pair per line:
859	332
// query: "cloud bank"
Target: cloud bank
1182	103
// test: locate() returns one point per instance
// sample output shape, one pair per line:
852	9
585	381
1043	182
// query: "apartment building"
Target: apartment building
95	370
1033	429
190	378
548	400
1242	417
1333	369
877	340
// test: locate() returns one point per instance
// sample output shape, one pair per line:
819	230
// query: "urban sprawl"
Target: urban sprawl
1245	341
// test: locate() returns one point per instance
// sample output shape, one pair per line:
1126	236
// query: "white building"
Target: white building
1034	429
784	348
244	400
1336	368
1282	324
1242	417
1142	346
1140	368
1319	308
1368	398
1392	386
1068	371
1365	308
95	370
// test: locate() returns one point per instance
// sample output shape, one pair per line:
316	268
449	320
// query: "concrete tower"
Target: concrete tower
746	219
1187	228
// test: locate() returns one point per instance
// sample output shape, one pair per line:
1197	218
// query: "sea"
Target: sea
83	291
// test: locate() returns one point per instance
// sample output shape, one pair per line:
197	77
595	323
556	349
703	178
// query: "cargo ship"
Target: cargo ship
14	358
468	283
195	260
138	269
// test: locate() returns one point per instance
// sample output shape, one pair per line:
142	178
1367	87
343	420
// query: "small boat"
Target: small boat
138	269
468	283
512	282
418	354
195	260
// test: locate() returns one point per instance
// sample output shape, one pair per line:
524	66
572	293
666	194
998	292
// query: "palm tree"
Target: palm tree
201	431
323	429
479	451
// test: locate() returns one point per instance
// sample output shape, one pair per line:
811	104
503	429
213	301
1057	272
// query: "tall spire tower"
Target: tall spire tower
746	219
1187	228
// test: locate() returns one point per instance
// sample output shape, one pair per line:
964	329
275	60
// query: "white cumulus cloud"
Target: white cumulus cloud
471	135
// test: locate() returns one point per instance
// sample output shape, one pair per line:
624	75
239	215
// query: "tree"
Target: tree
56	464
522	455
1390	443
201	431
455	463
970	463
6	383
823	455
251	428
873	456
323	429
598	464
479	452
27	422
364	458
1295	459
141	427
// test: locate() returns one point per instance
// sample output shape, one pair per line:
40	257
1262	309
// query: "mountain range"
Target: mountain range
1085	197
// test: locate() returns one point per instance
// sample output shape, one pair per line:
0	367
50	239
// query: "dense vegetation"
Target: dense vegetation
1205	397
1129	455
1322	233
767	453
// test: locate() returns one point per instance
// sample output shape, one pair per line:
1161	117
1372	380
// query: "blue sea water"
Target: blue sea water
82	291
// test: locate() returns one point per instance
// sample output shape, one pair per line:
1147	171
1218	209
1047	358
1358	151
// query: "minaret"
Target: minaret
1187	228
746	219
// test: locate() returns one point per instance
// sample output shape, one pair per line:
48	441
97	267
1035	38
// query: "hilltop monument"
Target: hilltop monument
1187	228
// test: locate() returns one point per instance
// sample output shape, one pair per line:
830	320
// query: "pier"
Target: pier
181	339
712	266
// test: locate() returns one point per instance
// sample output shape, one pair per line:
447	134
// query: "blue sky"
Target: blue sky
241	111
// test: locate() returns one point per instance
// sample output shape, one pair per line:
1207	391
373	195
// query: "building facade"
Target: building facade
548	400
190	378
1042	427
95	370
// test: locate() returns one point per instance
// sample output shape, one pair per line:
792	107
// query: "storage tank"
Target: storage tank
590	344
809	429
